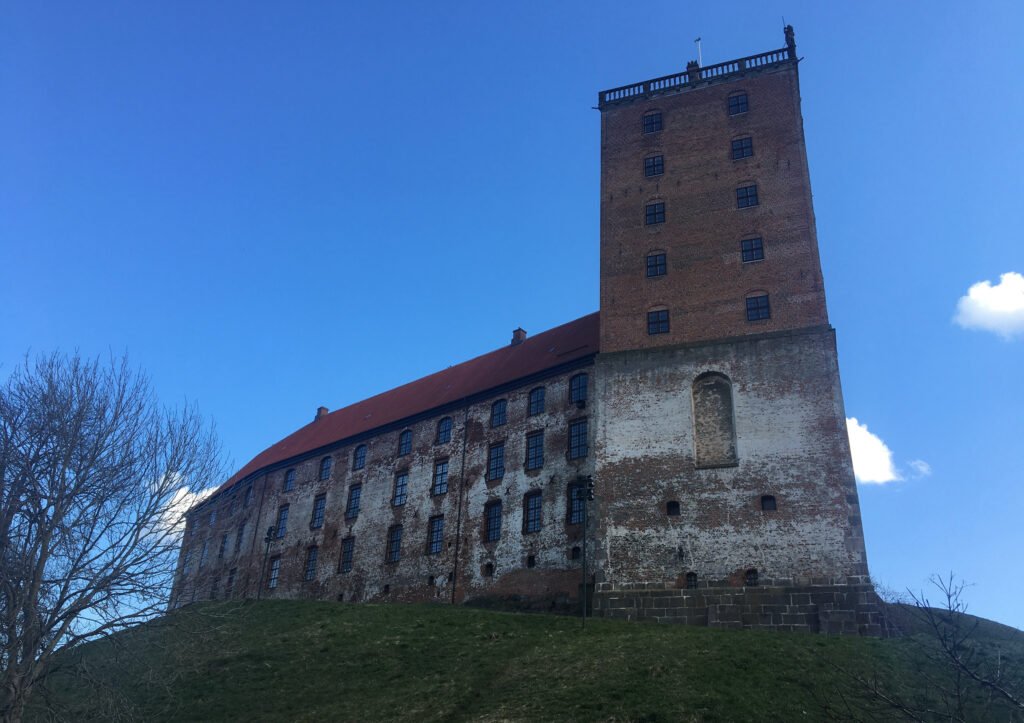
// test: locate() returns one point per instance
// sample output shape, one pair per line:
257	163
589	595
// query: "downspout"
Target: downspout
462	492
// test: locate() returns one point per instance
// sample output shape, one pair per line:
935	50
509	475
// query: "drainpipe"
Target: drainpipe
462	492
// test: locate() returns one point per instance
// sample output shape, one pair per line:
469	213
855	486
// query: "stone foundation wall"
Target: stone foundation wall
828	608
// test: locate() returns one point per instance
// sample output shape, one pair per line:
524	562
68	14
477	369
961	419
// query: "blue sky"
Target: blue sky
274	206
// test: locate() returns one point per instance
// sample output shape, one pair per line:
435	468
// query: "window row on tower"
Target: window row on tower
746	197
736	104
756	306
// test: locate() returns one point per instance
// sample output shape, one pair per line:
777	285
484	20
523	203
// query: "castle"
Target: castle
683	450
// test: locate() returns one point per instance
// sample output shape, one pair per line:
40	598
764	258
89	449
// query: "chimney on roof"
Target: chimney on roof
321	412
518	336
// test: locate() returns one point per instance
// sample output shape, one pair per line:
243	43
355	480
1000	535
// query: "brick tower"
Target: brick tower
722	457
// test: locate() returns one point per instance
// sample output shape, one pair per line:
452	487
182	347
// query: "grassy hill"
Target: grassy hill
300	660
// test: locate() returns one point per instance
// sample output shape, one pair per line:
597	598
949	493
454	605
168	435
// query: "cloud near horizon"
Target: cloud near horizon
173	518
998	308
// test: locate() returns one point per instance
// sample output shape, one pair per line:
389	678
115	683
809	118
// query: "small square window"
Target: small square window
746	197
348	548
536	401
654	213
752	249
435	540
440	485
496	461
405	442
499	413
657	322
737	104
535	450
652	122
654	166
578	439
657	265
742	148
401	486
768	503
757	308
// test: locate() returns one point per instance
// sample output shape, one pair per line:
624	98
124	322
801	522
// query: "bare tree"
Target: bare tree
94	480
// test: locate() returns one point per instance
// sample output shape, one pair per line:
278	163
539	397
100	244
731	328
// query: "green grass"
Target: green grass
296	660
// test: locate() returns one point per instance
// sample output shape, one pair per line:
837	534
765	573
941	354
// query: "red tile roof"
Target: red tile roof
552	348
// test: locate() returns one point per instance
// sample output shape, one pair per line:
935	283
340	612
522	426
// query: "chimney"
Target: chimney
518	336
321	412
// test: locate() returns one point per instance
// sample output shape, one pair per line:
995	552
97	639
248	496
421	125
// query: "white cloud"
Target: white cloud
173	518
920	467
872	459
998	308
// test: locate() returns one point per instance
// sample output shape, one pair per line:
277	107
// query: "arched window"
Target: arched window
489	569
768	503
691	581
289	480
325	468
405	442
578	388
536	401
714	430
499	413
359	457
672	509
750	578
444	431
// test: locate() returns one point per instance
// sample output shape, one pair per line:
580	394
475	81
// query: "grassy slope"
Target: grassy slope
287	660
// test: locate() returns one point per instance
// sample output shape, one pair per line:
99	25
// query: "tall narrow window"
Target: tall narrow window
492	521
757	307
578	447
405	442
223	546
575	503
289	480
325	468
654	213
359	457
746	196
499	413
319	505
496	461
654	166
652	122
352	508
435	539
282	521
204	553
394	551
401	489
213	588
311	555
532	505
230	586
535	450
248	494
713	425
657	265
239	536
275	572
536	401
578	388
348	548
657	322
440	485
444	431
752	249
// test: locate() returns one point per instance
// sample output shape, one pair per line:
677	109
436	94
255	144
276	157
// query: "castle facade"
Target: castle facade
700	409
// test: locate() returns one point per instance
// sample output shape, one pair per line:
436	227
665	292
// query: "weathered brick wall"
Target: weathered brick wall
536	565
707	282
791	443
